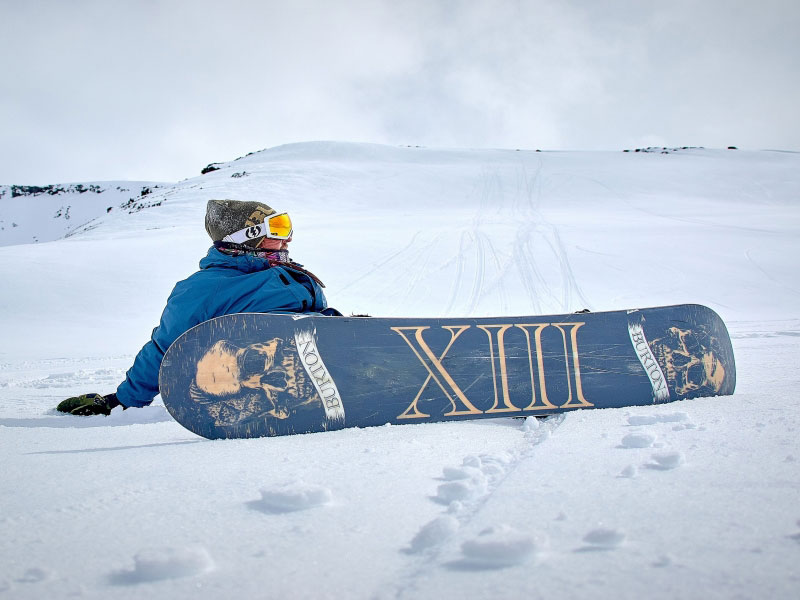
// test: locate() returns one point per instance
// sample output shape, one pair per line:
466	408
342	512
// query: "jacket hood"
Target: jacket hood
244	263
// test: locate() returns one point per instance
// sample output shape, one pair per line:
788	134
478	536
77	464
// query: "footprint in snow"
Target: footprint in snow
291	498
157	564
433	533
666	461
458	473
472	479
637	420
602	538
491	465
676	417
637	440
461	491
683	426
497	548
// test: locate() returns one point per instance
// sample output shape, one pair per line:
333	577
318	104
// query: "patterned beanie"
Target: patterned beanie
224	217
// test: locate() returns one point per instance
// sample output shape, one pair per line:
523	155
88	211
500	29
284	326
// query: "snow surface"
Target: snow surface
695	499
31	214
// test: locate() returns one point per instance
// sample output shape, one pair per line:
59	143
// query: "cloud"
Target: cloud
155	89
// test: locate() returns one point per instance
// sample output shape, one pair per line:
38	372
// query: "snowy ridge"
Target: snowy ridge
31	214
696	499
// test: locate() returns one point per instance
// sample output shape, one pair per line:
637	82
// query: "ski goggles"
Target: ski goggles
275	227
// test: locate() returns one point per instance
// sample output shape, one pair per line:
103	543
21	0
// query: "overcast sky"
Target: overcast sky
156	89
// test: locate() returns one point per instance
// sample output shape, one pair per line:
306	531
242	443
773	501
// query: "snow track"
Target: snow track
465	491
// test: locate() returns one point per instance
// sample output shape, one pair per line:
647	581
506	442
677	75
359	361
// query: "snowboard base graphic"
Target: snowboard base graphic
253	375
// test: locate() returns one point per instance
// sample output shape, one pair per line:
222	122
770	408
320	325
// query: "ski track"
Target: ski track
500	268
526	267
562	295
571	288
409	265
532	193
480	272
471	241
533	227
489	189
481	247
768	275
455	289
536	241
418	267
465	492
378	266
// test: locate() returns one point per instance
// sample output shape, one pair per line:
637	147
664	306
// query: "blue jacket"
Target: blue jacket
224	284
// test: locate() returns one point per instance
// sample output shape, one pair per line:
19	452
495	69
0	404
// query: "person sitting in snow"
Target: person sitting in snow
247	270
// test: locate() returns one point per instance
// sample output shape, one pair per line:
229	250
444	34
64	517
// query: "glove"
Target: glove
86	405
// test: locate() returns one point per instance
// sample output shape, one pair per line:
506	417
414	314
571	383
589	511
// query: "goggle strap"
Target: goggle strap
256	231
247	234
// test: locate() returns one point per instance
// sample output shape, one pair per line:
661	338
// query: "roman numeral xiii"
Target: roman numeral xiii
504	403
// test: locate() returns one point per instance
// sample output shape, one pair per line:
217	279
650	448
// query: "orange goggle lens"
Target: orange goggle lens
280	226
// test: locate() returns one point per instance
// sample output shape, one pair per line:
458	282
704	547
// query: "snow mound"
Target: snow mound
460	490
603	538
433	533
157	564
498	547
292	497
530	424
473	479
665	461
464	472
637	440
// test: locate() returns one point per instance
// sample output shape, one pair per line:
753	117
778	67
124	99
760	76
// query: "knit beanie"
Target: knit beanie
224	217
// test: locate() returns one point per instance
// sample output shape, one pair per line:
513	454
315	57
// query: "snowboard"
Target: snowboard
253	374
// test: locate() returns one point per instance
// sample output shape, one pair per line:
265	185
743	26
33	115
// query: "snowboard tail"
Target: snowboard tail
253	375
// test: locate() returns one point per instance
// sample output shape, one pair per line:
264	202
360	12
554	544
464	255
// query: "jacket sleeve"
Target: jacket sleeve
184	310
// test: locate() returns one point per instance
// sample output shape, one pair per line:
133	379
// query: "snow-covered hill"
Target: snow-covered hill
31	214
701	502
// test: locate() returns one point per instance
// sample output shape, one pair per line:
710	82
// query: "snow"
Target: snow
695	499
291	497
31	214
